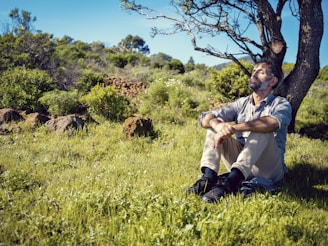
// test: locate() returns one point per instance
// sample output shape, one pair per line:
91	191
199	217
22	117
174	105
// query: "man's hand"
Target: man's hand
223	131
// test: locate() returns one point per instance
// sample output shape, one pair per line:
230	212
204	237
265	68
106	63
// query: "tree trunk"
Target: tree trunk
307	66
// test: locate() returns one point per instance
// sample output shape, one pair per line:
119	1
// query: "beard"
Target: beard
256	85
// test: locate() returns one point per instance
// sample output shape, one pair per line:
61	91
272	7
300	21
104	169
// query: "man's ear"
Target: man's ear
274	81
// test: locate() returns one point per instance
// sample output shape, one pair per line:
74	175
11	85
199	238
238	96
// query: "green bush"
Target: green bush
21	88
88	80
175	65
118	60
231	82
169	100
61	102
104	103
158	93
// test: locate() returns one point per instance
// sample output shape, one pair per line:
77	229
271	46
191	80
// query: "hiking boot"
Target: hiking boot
247	190
218	191
202	186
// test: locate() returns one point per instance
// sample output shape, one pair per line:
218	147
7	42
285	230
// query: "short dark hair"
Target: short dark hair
275	70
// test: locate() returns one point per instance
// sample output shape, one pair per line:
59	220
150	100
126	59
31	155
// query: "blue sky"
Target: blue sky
103	20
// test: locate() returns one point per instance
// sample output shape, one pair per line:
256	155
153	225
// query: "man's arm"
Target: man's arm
263	124
224	130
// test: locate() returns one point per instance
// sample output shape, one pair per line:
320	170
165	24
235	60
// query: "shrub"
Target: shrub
88	80
175	65
231	82
104	103
118	60
158	93
21	88
61	102
169	100
194	78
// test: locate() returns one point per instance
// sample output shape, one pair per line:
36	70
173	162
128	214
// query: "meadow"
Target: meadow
98	187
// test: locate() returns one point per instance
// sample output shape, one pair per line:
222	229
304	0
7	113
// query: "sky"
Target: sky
104	21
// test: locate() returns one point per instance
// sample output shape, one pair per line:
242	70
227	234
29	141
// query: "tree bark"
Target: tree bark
307	66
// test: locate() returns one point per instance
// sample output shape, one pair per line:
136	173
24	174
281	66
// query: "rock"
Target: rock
8	115
67	123
35	119
138	126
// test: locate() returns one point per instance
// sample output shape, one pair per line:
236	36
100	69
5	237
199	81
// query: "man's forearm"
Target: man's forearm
263	124
209	119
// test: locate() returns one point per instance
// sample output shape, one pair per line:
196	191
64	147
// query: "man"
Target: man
260	127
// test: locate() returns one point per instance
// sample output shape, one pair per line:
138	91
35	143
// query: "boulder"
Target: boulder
67	123
35	119
8	115
138	126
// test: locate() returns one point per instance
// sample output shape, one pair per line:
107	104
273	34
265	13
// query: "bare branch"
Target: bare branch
230	17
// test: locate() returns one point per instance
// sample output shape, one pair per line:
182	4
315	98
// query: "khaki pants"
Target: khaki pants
260	157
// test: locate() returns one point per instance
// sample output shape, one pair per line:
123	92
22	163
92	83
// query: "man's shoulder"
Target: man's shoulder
280	99
281	103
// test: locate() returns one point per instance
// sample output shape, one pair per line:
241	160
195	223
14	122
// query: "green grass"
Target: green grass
98	187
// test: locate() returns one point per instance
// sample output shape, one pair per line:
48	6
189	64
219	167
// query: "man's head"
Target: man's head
265	76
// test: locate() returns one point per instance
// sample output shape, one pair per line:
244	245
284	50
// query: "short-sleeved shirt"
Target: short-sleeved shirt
243	110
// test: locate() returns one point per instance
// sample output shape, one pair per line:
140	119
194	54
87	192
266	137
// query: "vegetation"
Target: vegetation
21	88
99	187
105	103
231	82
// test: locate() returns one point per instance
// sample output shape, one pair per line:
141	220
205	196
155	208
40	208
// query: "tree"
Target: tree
190	64
132	44
159	60
27	50
175	65
20	46
21	22
212	18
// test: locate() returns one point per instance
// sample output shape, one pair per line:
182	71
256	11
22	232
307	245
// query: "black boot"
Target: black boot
228	186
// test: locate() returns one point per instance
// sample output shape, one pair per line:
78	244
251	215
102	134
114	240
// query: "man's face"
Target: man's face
261	78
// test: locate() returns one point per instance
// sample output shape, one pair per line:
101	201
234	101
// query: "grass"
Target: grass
97	187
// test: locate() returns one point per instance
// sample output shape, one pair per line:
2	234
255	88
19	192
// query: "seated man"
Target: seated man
261	122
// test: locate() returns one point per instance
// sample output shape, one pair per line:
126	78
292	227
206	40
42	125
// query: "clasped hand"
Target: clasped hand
223	132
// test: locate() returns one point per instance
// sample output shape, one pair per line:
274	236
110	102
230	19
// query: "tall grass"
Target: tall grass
98	187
